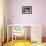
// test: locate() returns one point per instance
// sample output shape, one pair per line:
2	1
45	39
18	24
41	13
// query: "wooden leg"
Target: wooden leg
15	38
12	36
25	36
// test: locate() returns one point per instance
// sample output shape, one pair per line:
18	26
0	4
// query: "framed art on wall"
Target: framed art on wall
26	9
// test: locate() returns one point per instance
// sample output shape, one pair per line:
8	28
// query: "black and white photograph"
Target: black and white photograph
26	9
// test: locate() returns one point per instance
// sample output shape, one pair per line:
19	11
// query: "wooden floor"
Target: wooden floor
18	43
23	43
43	39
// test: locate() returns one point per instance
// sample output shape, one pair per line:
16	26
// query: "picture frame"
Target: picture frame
26	9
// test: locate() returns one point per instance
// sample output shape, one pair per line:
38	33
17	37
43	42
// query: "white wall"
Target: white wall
1	21
38	15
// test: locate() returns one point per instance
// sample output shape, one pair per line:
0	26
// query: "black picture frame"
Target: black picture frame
26	9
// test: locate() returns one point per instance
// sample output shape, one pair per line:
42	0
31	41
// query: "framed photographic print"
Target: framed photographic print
26	9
